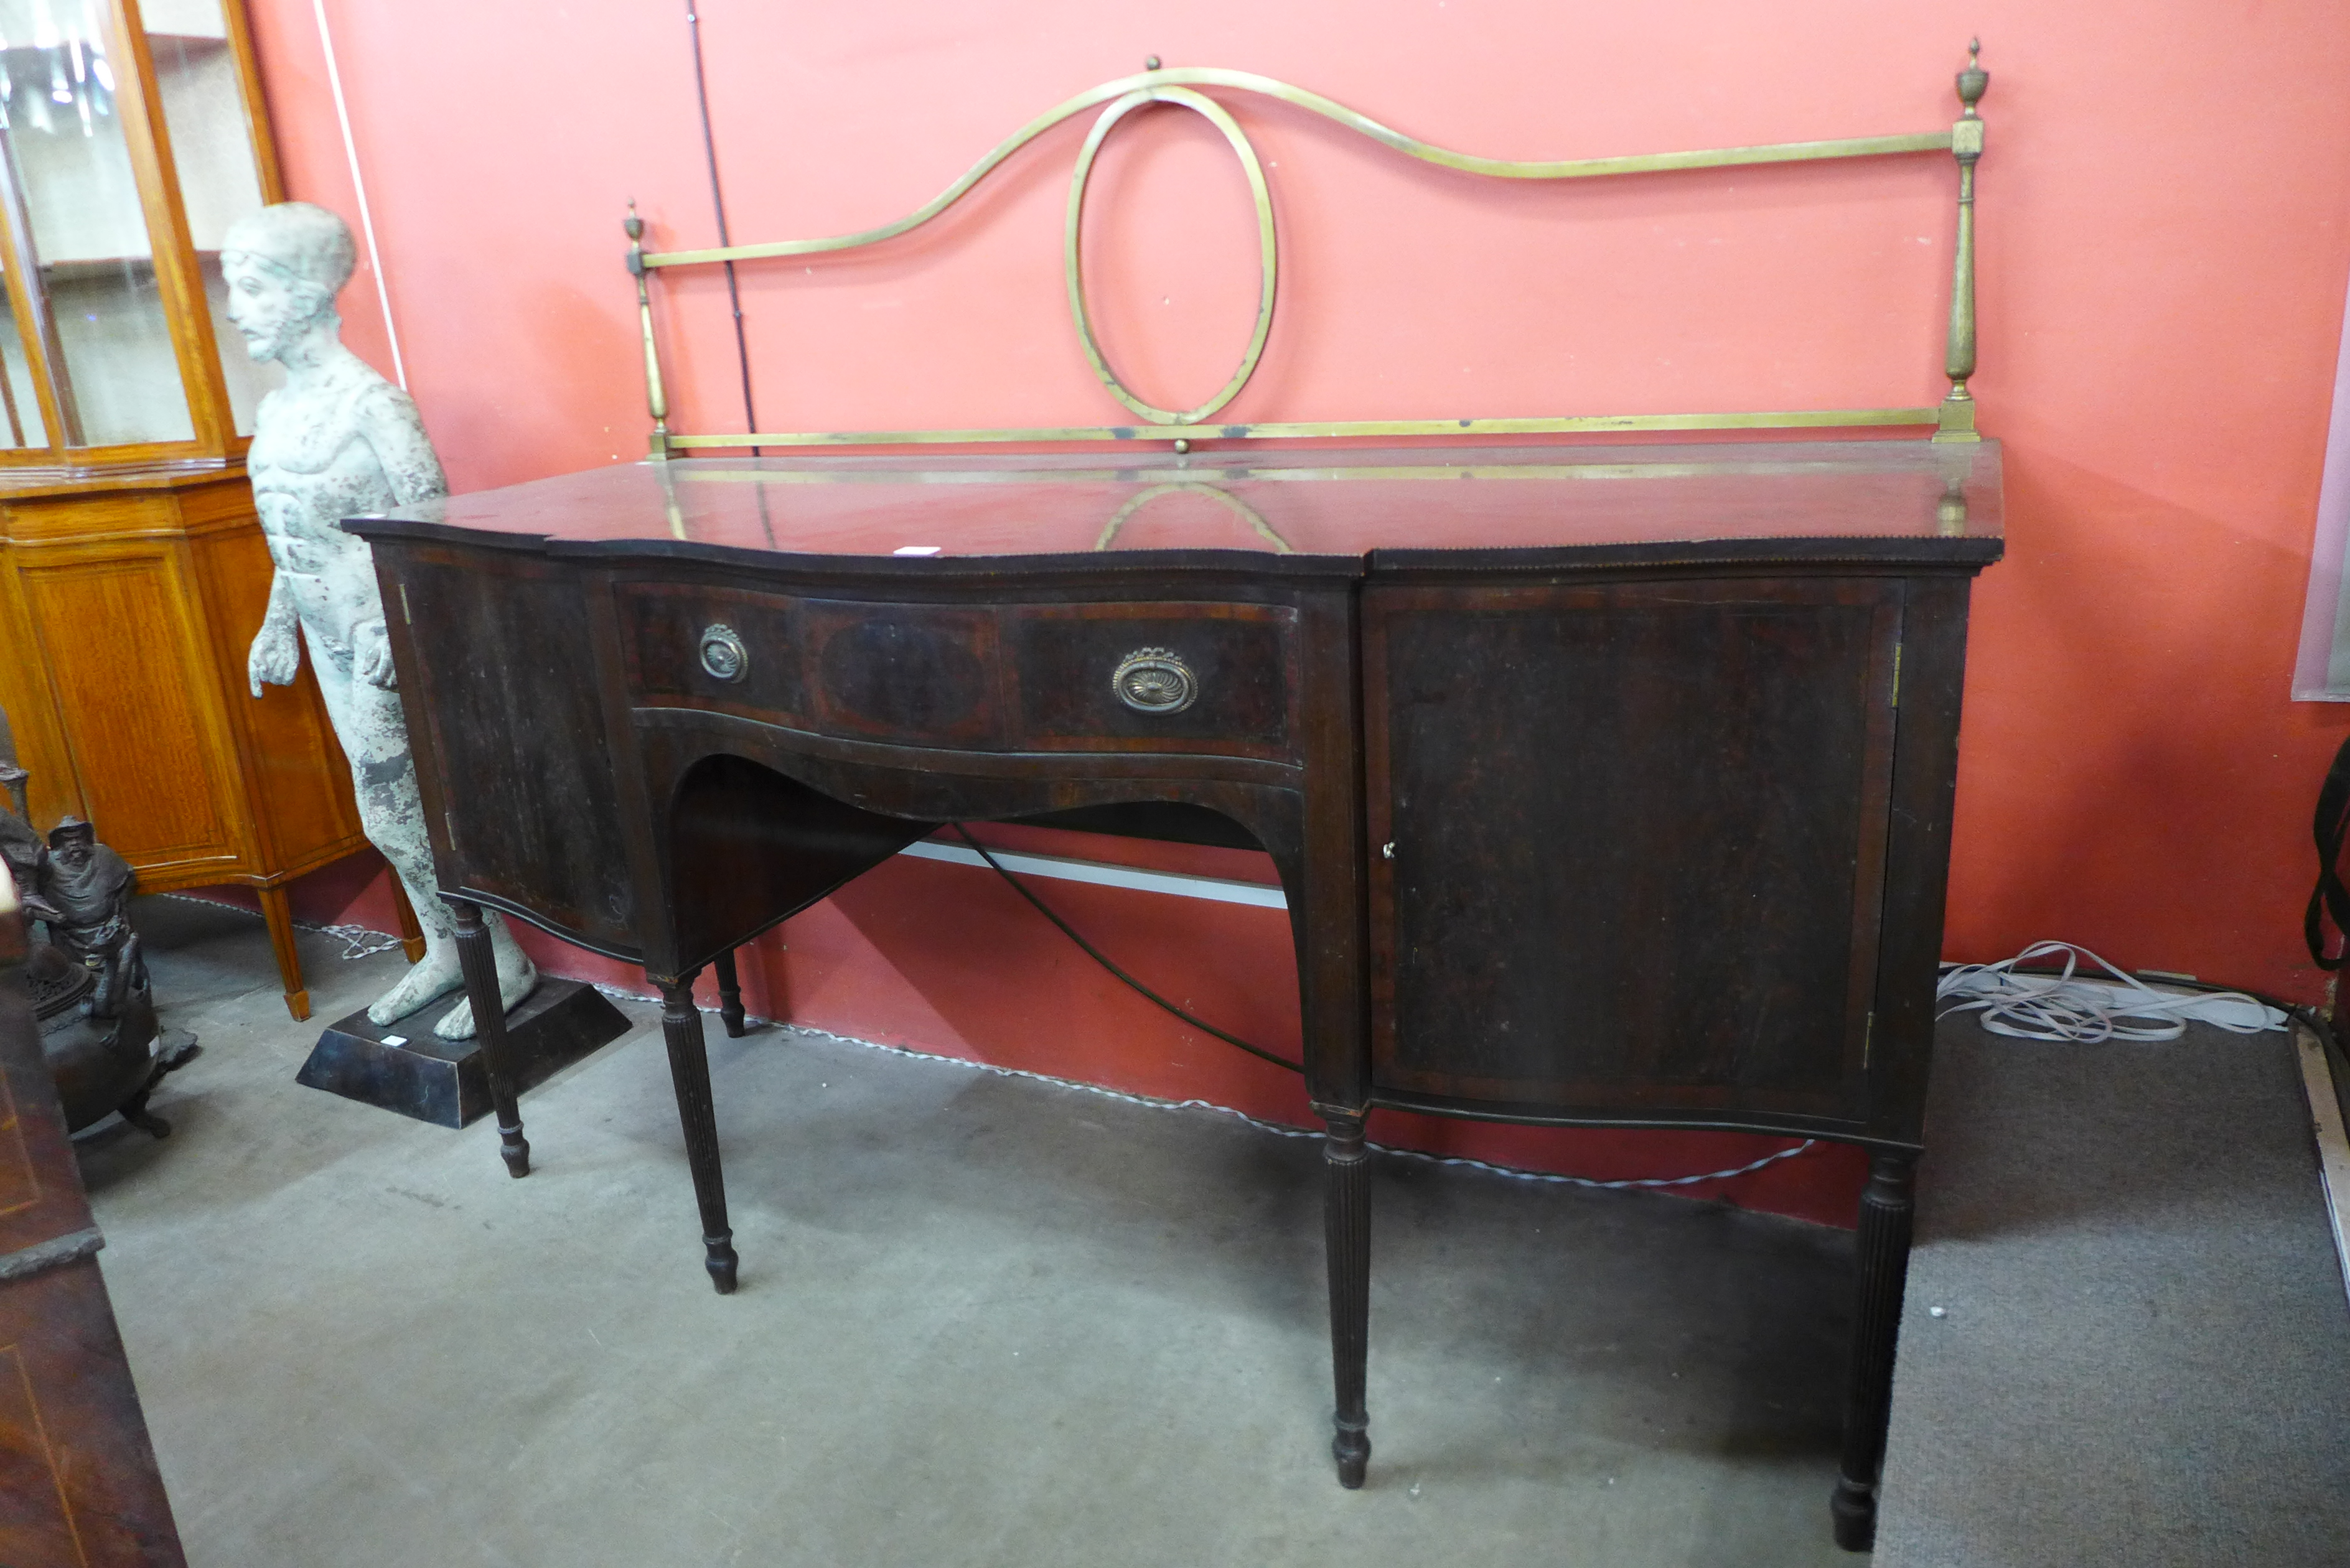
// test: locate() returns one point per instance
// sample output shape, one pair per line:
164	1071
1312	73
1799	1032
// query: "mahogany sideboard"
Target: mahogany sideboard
79	1485
1608	786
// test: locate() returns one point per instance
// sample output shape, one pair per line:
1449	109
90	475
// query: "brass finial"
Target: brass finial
1950	512
1974	79
1150	62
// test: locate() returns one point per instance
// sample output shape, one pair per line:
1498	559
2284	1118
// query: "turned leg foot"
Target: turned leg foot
1346	1225
513	1149
1886	1205
729	995
719	1259
689	1071
477	958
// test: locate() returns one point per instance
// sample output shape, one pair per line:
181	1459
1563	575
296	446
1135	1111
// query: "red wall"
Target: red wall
2162	260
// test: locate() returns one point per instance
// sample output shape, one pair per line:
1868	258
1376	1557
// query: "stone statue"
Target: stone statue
335	440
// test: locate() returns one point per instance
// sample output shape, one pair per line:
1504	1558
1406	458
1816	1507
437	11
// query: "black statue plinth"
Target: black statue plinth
403	1066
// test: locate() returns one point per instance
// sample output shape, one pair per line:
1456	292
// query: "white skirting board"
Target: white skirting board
1061	867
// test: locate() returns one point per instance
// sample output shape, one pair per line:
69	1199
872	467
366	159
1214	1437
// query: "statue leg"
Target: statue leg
374	733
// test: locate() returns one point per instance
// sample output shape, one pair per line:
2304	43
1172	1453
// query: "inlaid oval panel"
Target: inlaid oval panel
924	674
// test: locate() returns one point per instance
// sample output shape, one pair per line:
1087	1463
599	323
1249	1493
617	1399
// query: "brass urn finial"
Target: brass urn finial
1974	79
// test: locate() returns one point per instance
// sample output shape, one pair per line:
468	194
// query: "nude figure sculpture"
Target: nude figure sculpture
337	440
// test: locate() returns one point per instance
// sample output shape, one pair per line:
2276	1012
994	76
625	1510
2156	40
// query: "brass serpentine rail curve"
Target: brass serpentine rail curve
1953	418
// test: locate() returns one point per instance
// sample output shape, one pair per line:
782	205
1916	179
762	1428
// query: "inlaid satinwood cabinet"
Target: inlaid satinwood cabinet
132	570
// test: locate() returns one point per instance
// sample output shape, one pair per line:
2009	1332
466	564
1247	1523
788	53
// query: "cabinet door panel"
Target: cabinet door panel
1627	842
115	635
499	681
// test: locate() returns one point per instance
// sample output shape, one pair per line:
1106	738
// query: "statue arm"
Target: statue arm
389	424
277	654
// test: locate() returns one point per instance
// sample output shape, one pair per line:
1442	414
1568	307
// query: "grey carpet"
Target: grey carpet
984	1322
2144	1355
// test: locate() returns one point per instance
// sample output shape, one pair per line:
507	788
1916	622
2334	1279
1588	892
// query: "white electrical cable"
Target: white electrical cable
1152	1102
358	187
2085	1011
358	942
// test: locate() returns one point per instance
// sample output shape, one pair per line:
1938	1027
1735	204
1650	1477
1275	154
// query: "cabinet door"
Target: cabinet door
1628	845
115	634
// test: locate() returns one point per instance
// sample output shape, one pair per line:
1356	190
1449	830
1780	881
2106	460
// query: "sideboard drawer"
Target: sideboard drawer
1180	677
662	628
1183	676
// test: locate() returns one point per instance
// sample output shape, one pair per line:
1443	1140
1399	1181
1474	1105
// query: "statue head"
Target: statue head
71	843
284	266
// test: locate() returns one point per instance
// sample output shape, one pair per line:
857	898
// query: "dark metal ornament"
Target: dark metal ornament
91	999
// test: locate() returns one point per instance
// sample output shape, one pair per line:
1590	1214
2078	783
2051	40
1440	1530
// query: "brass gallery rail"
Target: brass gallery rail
1953	419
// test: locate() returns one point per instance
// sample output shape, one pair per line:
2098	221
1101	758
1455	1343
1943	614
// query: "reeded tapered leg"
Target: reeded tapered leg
478	961
1346	1226
729	995
689	1071
1886	1205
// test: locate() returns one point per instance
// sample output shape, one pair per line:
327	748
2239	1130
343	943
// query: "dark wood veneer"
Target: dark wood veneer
1625	802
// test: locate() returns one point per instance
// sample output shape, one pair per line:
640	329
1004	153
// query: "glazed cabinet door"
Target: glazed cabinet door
1628	845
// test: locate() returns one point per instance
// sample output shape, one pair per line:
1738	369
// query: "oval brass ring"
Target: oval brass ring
1232	504
1074	267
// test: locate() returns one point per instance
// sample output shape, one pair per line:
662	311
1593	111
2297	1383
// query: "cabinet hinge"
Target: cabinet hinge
408	620
1895	700
1868	1040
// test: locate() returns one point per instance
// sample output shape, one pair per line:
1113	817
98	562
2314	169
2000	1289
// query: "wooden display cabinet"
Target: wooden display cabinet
133	569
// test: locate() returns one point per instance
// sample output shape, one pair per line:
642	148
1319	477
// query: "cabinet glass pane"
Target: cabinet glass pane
21	424
63	142
211	144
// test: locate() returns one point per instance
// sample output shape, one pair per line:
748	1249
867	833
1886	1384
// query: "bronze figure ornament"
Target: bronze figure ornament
1953	419
90	994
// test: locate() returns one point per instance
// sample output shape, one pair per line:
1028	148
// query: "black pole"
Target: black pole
718	203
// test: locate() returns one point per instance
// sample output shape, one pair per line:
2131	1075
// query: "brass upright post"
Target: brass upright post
656	401
1957	414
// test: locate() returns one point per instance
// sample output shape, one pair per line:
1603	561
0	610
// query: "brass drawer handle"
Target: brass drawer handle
1154	680
722	653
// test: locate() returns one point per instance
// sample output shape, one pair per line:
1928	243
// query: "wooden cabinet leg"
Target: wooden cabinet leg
689	1071
279	913
1887	1206
478	961
1346	1224
411	932
729	995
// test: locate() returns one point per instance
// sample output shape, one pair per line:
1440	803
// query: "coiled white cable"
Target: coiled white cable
2085	1011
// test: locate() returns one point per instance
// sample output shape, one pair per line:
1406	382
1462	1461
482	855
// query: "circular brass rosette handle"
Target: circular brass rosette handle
722	653
1154	680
